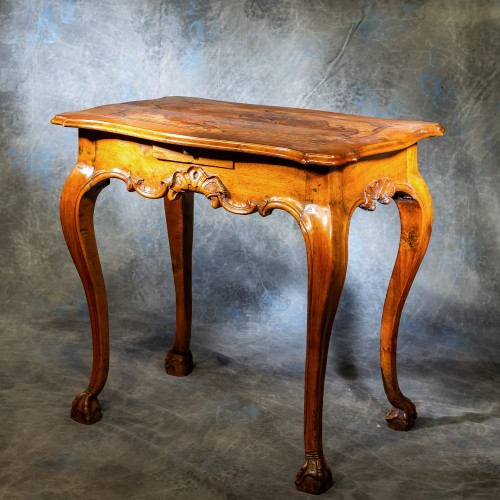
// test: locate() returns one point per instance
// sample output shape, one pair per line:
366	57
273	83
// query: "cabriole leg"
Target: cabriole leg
415	208
325	233
77	219
180	215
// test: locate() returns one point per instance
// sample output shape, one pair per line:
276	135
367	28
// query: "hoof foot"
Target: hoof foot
179	365
314	476
402	419
86	408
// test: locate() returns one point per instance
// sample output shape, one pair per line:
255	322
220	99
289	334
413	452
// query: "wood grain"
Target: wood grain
299	161
77	219
179	214
305	136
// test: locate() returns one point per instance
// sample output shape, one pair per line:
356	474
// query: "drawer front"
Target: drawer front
185	154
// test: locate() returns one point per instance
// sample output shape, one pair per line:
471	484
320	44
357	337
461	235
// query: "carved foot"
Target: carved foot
178	364
314	476
402	420
86	408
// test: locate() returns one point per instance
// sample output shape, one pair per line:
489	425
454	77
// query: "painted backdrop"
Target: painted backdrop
424	60
427	60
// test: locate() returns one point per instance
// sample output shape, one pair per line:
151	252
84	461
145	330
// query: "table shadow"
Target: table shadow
469	416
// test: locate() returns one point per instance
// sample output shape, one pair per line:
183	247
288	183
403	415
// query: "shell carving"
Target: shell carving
381	190
197	180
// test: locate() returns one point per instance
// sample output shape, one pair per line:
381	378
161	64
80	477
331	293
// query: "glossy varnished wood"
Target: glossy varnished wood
305	136
77	217
415	209
180	214
317	166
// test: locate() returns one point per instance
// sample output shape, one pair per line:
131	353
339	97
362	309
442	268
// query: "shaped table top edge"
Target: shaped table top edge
406	133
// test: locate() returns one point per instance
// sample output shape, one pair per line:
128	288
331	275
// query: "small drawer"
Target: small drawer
181	154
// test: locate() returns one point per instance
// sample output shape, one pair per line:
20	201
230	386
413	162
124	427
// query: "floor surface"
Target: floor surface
233	428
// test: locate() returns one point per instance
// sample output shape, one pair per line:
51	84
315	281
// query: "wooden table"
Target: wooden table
318	166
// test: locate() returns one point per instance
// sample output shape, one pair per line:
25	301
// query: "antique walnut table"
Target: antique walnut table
318	166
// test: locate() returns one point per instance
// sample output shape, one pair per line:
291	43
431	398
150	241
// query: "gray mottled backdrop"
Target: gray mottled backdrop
409	59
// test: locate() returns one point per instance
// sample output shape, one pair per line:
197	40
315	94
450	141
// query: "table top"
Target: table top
305	136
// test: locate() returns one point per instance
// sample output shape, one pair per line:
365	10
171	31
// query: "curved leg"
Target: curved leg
77	213
415	209
325	232
179	214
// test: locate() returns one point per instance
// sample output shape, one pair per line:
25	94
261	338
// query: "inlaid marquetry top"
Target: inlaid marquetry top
305	136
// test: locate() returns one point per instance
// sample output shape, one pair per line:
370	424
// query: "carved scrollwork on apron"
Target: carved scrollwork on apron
193	179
